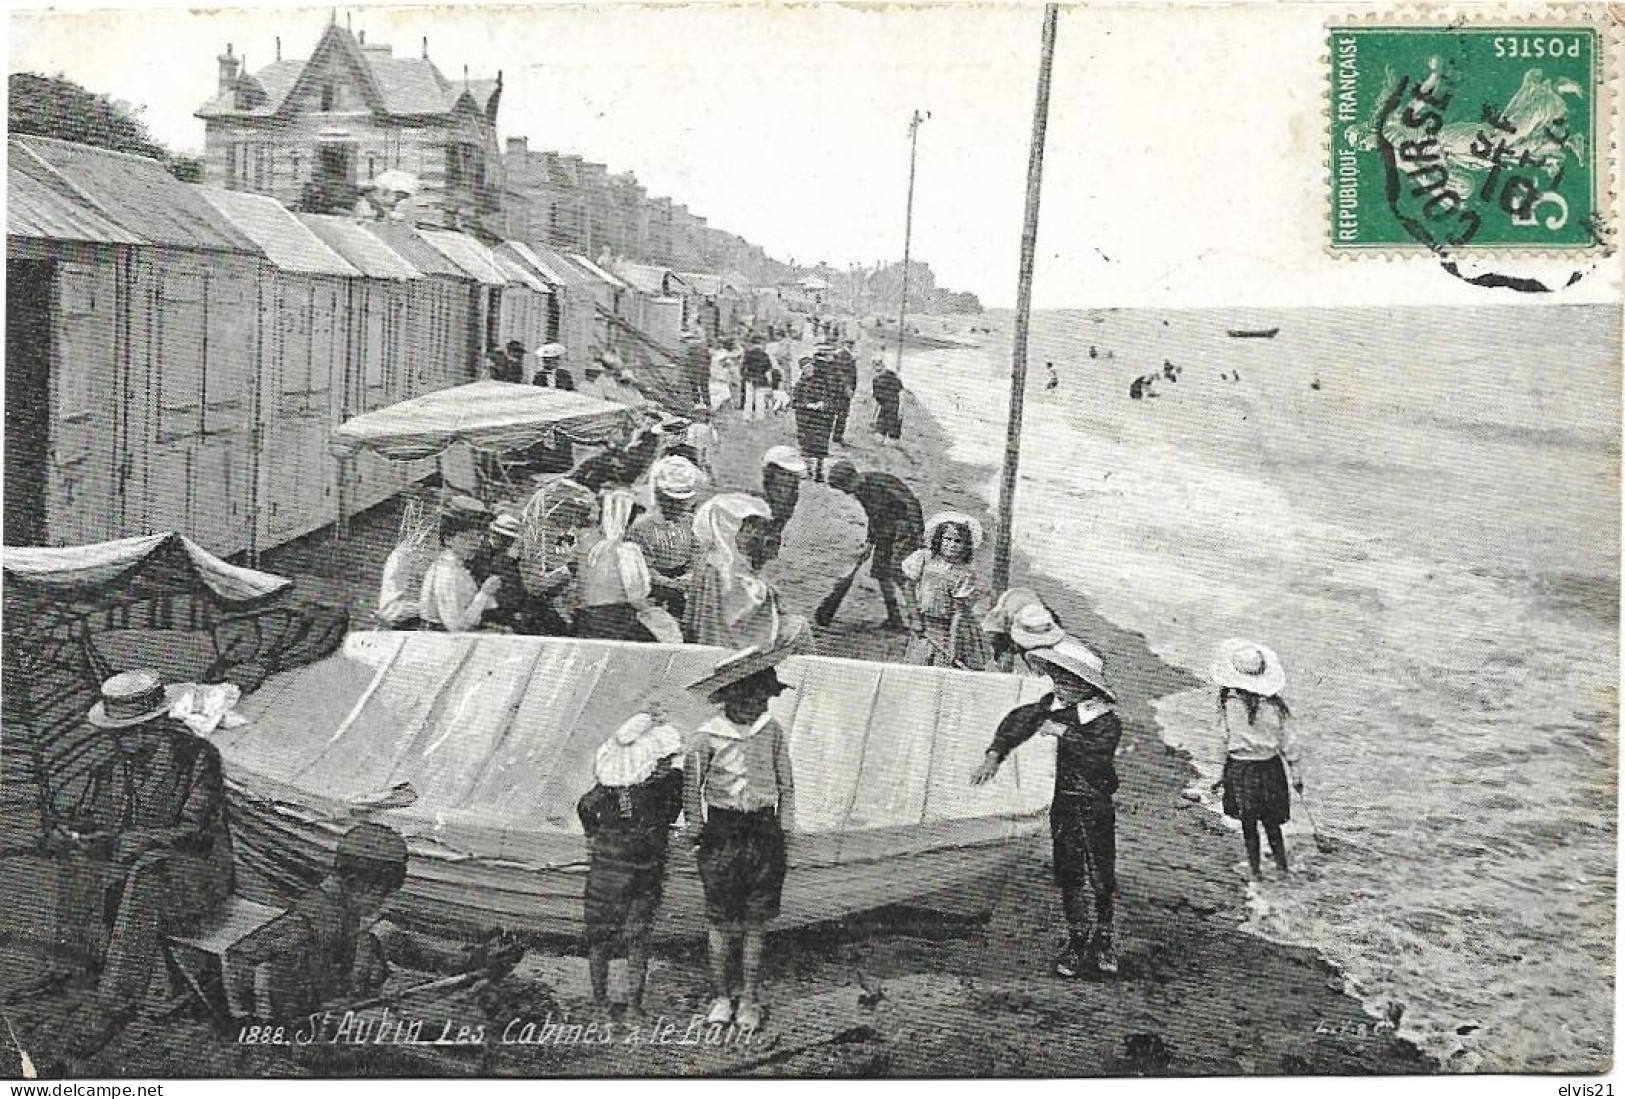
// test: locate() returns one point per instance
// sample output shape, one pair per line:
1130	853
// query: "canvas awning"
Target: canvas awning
165	562
486	415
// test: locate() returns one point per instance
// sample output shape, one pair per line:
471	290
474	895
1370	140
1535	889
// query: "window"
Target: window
372	166
328	96
231	166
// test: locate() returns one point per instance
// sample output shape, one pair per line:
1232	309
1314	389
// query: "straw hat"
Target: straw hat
633	751
134	698
1034	627
1076	659
1249	666
466	507
959	518
507	526
676	477
552	351
741	666
787	458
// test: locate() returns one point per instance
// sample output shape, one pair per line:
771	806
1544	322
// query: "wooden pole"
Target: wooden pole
908	231
1024	305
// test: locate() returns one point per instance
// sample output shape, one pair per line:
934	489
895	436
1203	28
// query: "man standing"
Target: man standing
846	384
155	810
896	527
696	369
754	371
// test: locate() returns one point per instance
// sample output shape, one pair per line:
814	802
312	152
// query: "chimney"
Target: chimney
425	47
362	38
228	70
279	48
518	146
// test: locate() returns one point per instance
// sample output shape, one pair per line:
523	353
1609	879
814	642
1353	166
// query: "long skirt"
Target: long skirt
1257	788
611	622
813	428
889	420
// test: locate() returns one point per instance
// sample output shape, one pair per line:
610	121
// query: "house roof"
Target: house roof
277	232
39	208
406	242
469	254
365	252
563	268
136	193
518	271
397	85
598	272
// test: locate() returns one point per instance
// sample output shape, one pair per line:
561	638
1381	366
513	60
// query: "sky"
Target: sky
1183	166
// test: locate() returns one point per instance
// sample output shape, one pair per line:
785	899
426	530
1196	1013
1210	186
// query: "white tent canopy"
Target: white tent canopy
485	415
106	563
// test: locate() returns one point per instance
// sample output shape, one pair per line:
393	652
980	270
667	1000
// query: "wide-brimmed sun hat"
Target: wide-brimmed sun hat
676	477
552	351
1076	659
966	522
742	665
1249	666
787	458
134	698
507	526
1034	627
633	751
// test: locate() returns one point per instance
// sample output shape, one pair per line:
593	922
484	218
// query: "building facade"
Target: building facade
313	133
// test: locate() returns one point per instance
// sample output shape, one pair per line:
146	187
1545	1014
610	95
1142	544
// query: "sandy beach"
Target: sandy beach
960	996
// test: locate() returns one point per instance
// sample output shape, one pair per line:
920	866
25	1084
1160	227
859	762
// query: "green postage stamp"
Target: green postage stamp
1483	136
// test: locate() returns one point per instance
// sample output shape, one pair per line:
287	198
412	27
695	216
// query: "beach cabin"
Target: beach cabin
721	306
384	329
574	304
670	305
525	304
496	284
130	366
445	316
302	367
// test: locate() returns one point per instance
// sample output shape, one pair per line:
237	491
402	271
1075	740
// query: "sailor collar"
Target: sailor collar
720	726
1081	712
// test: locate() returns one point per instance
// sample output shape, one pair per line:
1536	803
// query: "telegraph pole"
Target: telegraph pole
1024	304
908	231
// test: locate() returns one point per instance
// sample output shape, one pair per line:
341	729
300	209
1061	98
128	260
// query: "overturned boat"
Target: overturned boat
476	748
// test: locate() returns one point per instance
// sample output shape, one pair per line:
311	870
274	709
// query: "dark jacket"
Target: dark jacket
1084	753
755	367
891	507
632	822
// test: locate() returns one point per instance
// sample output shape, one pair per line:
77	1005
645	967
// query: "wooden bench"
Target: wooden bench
218	982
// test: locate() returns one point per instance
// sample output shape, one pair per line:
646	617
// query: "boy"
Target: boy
740	803
1083	818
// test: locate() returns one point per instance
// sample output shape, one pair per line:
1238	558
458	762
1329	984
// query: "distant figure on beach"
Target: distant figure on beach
627	818
943	595
1094	352
843	369
1143	387
1054	381
739	802
1170	371
896	528
696	368
755	368
1315	385
1259	748
815	416
887	389
1083	818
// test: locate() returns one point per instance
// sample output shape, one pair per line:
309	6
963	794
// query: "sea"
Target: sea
1419	510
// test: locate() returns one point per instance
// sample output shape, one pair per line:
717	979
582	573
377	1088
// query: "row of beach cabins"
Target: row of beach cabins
177	356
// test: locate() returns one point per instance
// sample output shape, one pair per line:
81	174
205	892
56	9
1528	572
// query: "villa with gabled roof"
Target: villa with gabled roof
313	133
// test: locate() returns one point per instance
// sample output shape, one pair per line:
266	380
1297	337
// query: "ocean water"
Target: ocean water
1430	541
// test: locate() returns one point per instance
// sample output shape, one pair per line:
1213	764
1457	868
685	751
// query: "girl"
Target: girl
739	804
627	817
450	599
941	594
1258	743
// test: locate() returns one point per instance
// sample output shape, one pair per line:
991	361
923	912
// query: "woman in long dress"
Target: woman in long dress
815	414
612	577
944	596
730	604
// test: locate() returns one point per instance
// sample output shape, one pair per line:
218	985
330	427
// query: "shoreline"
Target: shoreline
1181	905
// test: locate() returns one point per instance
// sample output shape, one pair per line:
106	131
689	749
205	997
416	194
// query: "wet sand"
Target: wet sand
960	996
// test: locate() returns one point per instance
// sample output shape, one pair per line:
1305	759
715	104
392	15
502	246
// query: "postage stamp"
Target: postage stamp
1448	136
